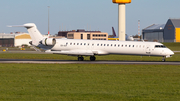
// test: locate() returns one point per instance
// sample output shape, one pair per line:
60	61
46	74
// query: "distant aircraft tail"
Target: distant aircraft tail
114	33
34	33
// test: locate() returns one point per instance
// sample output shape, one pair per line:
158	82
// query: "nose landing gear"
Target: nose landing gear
164	59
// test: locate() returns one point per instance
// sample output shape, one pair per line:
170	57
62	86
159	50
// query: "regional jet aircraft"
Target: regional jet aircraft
92	48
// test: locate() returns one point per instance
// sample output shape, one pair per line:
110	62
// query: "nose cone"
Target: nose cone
169	53
172	53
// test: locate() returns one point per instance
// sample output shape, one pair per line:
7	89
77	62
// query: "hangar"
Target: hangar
154	32
14	39
169	32
172	31
22	39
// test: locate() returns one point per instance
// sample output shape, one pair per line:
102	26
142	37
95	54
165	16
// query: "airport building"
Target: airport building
169	32
82	34
14	39
172	31
154	33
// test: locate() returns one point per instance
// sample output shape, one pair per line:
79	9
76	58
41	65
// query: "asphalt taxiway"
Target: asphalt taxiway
86	62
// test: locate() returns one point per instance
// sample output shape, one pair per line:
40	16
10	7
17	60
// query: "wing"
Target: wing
73	52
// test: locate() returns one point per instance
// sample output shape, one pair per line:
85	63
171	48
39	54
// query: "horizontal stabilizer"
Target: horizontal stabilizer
15	26
25	25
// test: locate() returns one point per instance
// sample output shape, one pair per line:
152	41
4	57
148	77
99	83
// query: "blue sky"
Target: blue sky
84	14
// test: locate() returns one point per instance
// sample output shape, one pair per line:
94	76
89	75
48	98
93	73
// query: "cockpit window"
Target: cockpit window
160	46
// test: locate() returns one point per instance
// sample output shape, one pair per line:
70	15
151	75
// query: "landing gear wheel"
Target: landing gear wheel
92	58
164	59
80	59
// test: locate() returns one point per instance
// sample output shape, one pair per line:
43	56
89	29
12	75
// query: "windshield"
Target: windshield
160	46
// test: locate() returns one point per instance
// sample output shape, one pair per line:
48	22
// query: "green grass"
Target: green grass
89	82
173	46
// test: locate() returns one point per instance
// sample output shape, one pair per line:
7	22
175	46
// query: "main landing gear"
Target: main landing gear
92	58
164	59
81	58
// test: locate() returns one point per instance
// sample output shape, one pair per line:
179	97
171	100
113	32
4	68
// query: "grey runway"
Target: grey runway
86	62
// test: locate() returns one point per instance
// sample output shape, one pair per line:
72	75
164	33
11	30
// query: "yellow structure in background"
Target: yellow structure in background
22	48
113	39
121	1
23	36
177	34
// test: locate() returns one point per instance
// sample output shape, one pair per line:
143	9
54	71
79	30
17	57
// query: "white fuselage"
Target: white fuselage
103	47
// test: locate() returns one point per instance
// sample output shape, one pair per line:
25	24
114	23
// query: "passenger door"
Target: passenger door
148	49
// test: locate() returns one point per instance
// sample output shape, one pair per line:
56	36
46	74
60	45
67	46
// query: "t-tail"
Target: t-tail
36	36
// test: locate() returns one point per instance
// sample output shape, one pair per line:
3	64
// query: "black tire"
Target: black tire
80	59
92	58
163	60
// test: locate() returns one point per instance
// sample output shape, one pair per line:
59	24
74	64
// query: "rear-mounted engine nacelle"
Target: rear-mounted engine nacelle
49	41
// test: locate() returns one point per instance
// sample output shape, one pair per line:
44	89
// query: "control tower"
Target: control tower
122	18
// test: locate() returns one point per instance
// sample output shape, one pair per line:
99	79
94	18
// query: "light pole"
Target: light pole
48	22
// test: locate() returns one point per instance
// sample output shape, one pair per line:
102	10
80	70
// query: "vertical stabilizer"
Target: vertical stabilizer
34	33
114	33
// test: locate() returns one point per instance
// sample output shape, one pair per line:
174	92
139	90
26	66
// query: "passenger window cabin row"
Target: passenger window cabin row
108	45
